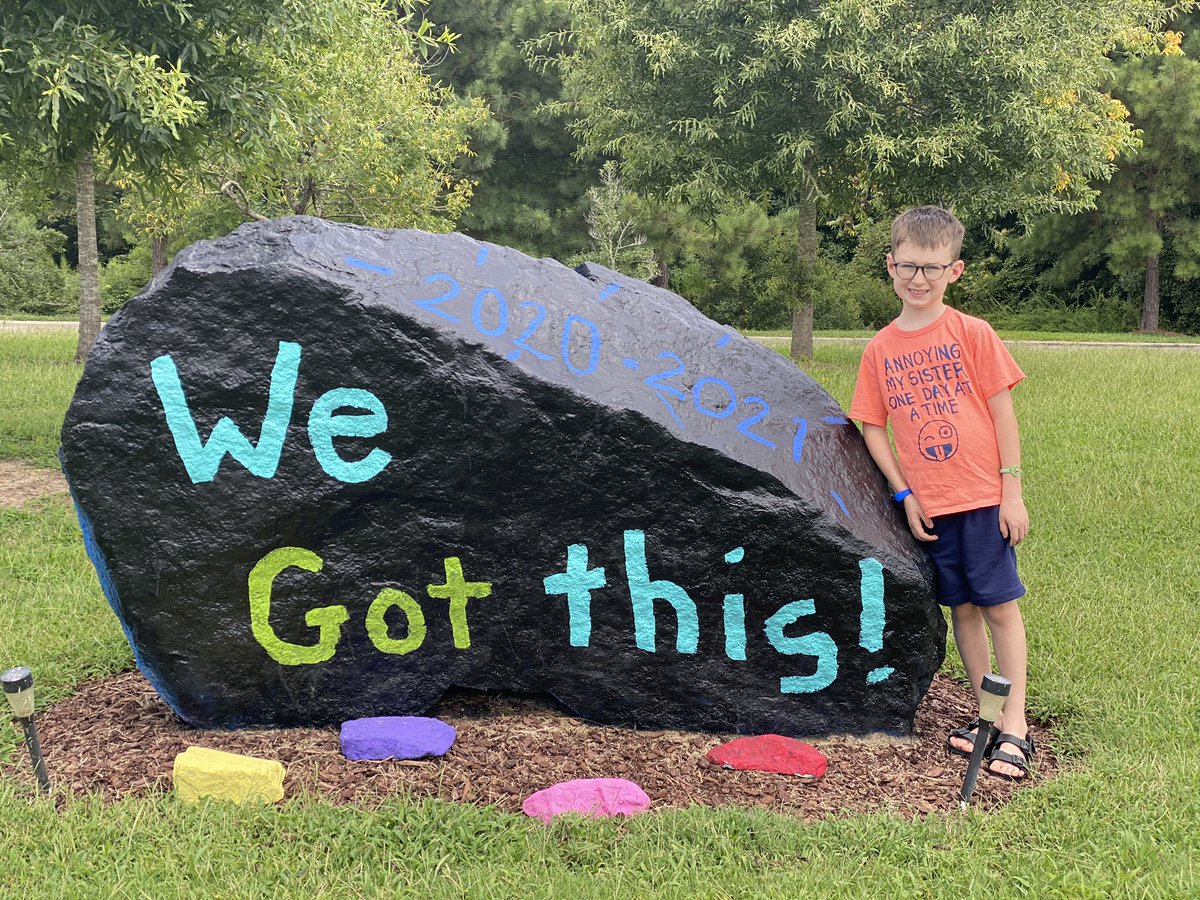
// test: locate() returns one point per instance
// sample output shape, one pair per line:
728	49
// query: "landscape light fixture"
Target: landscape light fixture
18	690
993	693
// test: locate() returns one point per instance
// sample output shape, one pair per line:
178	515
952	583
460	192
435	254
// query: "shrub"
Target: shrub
1046	312
124	276
30	279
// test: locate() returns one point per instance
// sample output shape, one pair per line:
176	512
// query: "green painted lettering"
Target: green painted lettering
458	590
328	619
377	628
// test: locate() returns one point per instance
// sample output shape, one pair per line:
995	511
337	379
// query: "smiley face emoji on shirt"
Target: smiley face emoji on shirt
938	440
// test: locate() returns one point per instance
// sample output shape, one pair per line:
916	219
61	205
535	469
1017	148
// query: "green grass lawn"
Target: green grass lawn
1072	337
1113	570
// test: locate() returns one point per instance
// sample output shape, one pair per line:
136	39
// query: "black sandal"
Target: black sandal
1026	747
965	733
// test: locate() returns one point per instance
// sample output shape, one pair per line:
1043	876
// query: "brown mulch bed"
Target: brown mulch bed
116	737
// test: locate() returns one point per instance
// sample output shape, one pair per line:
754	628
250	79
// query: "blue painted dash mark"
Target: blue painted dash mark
798	440
632	364
674	415
481	256
513	355
877	675
609	291
835	420
724	339
370	267
840	502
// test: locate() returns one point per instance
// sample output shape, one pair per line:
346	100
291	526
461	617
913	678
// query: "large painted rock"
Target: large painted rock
327	472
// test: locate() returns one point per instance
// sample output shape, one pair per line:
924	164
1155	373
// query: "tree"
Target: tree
30	280
1155	195
531	191
128	80
616	241
355	131
833	107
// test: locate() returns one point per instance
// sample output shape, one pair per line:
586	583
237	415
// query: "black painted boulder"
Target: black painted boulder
327	472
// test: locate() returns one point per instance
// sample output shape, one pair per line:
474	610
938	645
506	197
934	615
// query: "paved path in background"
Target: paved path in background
20	325
766	340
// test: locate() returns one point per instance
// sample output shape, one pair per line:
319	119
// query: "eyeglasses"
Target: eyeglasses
932	271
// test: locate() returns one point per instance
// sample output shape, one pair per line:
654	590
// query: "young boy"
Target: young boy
942	379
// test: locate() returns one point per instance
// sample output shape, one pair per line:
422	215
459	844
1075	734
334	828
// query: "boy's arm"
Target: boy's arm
1014	518
880	448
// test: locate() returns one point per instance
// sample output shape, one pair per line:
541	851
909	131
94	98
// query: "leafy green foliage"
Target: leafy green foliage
30	279
737	266
133	82
124	276
855	105
989	107
616	241
129	76
354	131
1147	221
531	191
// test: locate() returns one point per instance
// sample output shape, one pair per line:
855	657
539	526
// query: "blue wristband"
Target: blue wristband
900	495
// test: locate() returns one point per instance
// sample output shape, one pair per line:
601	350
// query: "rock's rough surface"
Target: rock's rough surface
327	472
591	797
200	772
771	753
396	737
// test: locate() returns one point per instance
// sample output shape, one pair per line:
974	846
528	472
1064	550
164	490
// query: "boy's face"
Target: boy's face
919	289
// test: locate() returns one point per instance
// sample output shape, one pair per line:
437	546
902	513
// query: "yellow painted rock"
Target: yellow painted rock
200	772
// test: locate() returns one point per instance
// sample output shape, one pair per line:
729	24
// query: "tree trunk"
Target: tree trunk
663	278
89	263
1150	296
158	253
802	318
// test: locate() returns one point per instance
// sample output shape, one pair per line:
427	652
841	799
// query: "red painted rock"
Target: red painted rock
770	753
592	797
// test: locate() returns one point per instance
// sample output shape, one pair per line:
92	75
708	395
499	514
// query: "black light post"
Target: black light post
994	691
18	690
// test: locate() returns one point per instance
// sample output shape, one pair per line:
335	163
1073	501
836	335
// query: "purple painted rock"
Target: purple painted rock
770	753
396	737
592	797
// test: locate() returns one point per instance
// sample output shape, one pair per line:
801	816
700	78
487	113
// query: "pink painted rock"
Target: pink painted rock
591	797
770	753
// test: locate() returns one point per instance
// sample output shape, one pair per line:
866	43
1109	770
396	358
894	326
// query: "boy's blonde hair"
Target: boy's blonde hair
928	227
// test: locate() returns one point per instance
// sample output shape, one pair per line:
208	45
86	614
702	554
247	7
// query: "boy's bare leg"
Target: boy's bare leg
971	640
1008	638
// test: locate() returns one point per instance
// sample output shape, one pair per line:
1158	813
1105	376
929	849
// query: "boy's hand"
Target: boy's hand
918	522
1014	520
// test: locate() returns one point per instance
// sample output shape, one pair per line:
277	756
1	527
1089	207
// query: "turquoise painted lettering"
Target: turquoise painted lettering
735	626
818	644
202	460
577	582
643	592
871	620
324	426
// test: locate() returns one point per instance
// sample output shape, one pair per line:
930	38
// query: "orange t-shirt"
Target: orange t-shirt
933	385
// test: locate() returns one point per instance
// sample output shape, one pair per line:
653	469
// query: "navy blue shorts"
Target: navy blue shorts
973	561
